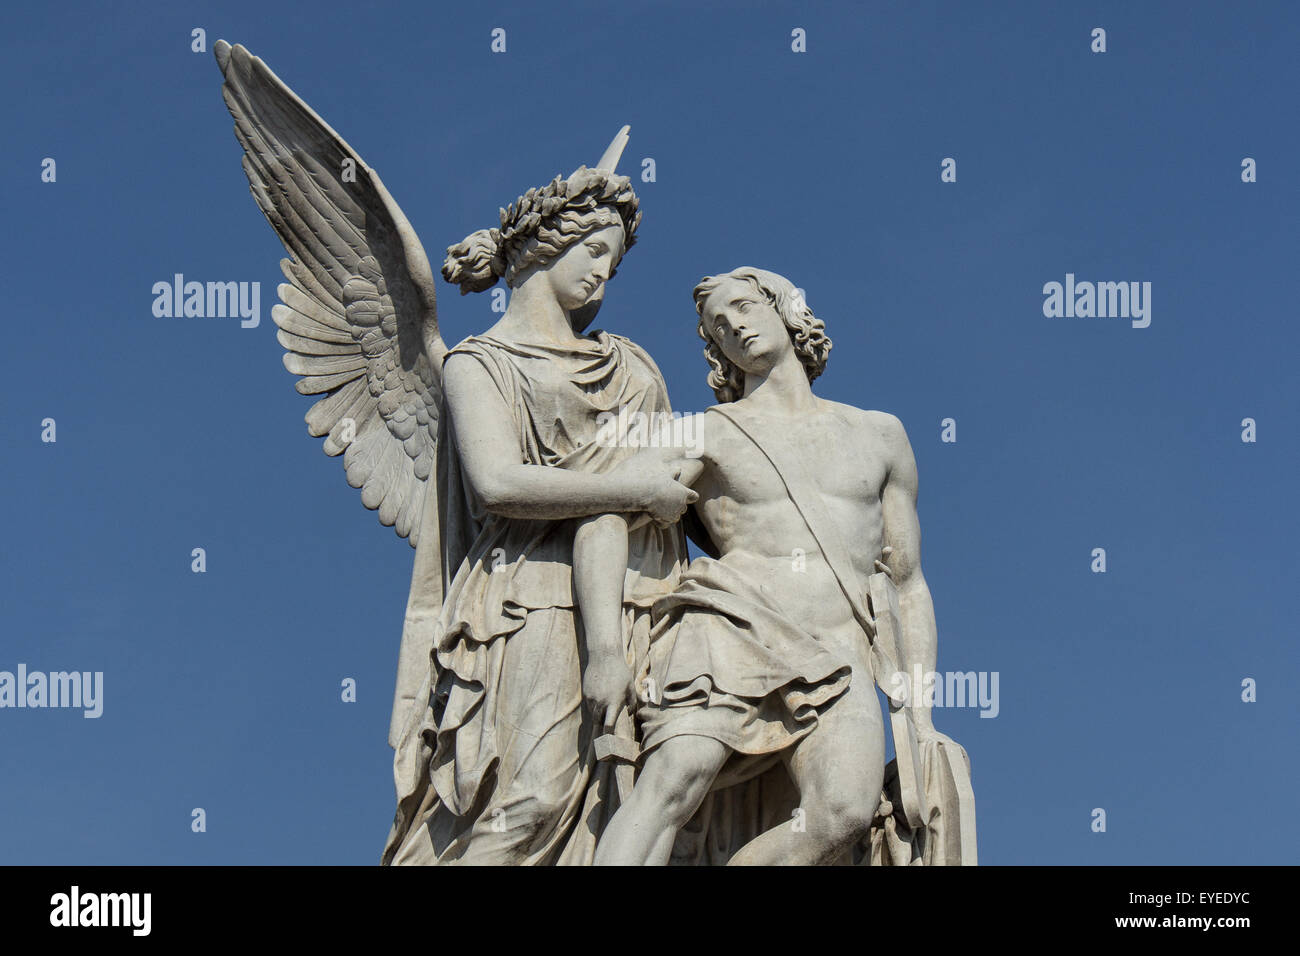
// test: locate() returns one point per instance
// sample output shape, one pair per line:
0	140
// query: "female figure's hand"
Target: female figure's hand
655	484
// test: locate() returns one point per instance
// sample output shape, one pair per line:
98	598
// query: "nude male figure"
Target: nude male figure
799	681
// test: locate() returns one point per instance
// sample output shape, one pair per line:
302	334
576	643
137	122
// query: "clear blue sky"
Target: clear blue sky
1118	690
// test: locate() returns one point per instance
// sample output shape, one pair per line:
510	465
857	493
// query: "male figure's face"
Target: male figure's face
745	326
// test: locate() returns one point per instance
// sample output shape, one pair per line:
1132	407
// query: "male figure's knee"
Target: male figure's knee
680	773
843	814
693	759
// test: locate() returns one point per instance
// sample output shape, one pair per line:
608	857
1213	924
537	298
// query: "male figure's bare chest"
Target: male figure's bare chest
836	457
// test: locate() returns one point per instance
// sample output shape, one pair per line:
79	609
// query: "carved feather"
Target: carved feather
359	318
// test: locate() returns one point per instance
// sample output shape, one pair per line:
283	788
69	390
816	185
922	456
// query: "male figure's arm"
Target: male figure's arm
902	534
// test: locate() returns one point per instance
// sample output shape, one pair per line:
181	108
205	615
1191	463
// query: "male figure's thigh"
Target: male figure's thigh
683	768
843	759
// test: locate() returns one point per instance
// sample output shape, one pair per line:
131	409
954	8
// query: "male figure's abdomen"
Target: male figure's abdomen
802	585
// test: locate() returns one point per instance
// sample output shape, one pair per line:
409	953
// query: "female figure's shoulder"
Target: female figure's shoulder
637	352
477	356
486	347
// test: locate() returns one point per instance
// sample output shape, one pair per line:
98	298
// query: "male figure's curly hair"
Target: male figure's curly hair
541	224
807	332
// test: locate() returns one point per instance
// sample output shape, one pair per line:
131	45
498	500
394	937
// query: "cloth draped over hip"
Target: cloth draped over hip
728	663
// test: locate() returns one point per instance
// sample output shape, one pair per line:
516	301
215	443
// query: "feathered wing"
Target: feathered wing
359	315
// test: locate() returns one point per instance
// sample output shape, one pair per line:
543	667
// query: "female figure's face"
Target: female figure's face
579	273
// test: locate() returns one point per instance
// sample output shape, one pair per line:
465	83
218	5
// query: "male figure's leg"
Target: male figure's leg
839	769
673	782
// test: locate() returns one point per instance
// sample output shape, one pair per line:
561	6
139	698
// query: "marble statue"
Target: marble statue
555	640
771	648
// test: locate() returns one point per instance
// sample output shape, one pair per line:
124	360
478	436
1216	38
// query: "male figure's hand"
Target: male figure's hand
607	688
882	566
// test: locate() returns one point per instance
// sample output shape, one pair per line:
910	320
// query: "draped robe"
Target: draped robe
494	759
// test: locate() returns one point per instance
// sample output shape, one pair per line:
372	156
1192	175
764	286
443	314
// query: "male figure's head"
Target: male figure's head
750	319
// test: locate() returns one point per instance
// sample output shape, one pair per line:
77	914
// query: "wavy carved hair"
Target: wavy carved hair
540	225
807	332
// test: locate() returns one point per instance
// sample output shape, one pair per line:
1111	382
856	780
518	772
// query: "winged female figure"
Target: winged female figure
486	457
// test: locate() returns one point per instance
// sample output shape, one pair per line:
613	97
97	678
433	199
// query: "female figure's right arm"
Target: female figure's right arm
493	462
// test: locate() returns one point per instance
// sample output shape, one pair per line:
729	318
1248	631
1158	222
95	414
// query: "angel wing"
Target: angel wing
359	319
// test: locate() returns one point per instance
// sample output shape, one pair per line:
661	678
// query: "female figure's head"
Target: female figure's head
574	230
